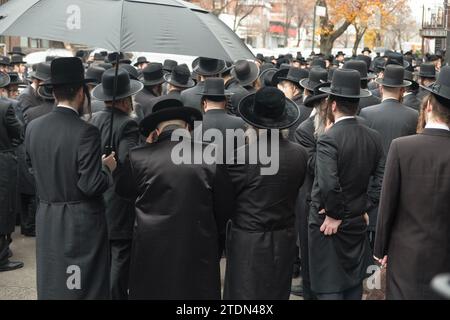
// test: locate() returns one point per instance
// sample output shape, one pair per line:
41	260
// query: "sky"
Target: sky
417	5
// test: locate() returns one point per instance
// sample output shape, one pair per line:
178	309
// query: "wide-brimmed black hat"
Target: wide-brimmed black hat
5	61
367	60
153	74
281	73
395	59
346	84
207	66
340	53
180	77
269	108
318	62
43	71
260	57
14	78
316	77
126	87
125	61
4	79
112	57
427	70
66	71
141	60
366	49
46	92
134	74
214	87
265	66
295	75
166	109
394	77
169	64
317	95
441	87
17	51
266	77
245	72
96	73
409	76
17	59
361	67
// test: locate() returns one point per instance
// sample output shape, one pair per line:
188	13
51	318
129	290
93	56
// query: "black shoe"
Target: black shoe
296	272
11	265
297	290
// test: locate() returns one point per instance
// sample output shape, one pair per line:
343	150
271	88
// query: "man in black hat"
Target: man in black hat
11	134
18	65
410	96
233	86
179	209
340	57
261	237
29	97
361	67
413	226
5	64
391	118
178	81
168	66
204	68
141	63
348	175
95	72
65	153
315	77
47	106
119	210
246	73
152	78
366	52
290	85
427	76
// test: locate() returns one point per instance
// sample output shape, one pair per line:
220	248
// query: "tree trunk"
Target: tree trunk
326	45
359	36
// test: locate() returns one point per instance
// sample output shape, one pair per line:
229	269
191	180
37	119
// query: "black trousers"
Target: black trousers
28	213
350	294
120	268
4	248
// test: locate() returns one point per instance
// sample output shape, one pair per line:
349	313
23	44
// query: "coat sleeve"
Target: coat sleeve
223	198
129	140
328	179
309	143
94	179
388	203
15	129
376	181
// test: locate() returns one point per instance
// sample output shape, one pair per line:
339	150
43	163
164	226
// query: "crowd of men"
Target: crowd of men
87	166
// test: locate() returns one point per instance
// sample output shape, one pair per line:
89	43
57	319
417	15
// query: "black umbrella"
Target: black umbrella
161	26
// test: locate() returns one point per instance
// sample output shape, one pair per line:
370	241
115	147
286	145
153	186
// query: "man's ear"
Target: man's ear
334	106
429	106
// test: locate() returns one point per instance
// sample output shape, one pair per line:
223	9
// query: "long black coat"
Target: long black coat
238	91
261	237
305	112
144	103
38	111
192	97
348	156
411	100
368	102
180	210
70	222
414	221
29	99
10	136
120	212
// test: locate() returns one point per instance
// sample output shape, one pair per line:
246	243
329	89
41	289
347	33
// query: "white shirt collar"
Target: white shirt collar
434	125
344	118
68	107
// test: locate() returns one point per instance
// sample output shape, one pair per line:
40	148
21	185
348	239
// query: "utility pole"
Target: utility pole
314	27
447	26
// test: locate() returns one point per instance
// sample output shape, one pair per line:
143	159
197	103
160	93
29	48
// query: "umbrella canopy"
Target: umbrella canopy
162	26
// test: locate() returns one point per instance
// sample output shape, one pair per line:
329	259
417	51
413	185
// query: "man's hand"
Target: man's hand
330	226
366	218
382	262
110	161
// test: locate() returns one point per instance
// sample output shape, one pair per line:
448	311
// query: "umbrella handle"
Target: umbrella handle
109	146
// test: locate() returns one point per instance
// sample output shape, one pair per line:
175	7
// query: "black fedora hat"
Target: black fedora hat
395	58
46	92
166	109
17	51
265	66
366	49
5	61
316	77
394	77
318	62
66	71
266	77
245	72
427	70
441	87
126	87
43	71
207	66
17	59
153	74
366	59
141	60
228	67
359	66
15	79
295	75
269	108
317	95
96	73
169	64
112	57
132	71
281	73
180	77
214	87
346	84
340	53
260	57
4	79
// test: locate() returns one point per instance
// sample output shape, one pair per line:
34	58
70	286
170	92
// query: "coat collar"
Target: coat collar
436	132
345	122
65	111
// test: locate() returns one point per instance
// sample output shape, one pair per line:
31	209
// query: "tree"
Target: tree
303	14
241	12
